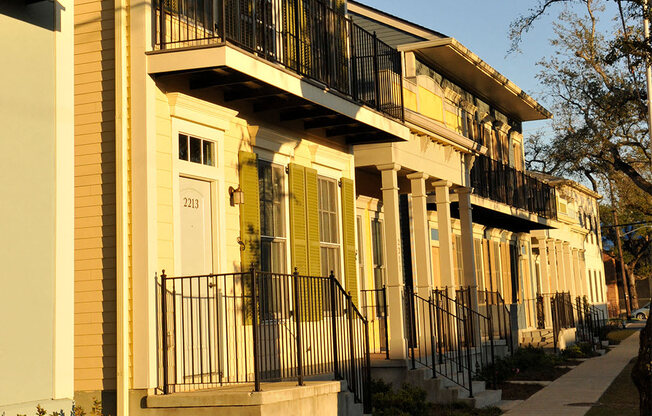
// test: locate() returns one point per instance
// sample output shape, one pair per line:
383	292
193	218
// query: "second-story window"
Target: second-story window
271	181
329	235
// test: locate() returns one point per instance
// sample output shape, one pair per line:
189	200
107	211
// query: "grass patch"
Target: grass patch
621	398
462	410
615	337
513	391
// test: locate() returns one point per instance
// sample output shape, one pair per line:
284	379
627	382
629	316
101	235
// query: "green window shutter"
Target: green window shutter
249	211
249	223
313	305
348	240
298	232
312	220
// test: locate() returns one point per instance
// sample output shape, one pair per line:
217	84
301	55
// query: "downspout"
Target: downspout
122	245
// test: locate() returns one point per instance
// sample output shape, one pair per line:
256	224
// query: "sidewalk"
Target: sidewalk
582	385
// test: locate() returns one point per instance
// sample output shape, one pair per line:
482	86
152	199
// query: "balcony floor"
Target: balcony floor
241	80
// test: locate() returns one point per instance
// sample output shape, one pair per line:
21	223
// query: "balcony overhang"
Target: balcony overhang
497	215
243	77
461	65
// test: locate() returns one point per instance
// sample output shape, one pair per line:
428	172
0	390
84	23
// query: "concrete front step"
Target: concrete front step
483	399
282	398
445	391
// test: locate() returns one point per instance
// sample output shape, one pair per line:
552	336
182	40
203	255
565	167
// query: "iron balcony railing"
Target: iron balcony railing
255	327
502	183
305	36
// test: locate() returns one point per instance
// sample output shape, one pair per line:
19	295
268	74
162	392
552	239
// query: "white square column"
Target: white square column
553	277
423	281
468	253
395	304
442	198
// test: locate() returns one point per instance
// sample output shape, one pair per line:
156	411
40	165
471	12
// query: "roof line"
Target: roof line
482	66
405	25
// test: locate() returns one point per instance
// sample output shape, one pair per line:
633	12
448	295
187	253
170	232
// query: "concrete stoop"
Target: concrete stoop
538	338
444	391
283	398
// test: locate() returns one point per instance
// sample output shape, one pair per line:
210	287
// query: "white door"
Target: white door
196	227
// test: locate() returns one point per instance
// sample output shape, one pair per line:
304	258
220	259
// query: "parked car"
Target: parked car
642	313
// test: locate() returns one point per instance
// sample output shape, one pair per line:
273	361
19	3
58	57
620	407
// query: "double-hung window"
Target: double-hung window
273	240
329	235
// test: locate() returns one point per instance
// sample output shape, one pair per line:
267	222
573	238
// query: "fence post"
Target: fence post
254	321
366	400
161	23
413	331
336	364
297	320
493	353
376	71
164	335
297	36
222	19
433	344
386	326
555	327
349	308
468	358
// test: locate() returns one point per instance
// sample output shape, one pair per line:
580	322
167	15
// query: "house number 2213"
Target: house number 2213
191	203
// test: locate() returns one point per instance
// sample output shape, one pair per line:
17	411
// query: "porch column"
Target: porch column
583	274
568	268
443	201
394	267
579	282
544	284
423	280
468	254
553	276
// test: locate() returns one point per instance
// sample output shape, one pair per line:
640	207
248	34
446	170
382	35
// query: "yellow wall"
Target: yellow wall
95	212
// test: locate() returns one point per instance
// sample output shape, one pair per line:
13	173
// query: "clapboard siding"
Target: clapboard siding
95	199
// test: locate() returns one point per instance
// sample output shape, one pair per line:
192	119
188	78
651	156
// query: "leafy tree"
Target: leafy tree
597	92
599	97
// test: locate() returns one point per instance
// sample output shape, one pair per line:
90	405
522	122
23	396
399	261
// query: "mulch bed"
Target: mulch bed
512	391
544	374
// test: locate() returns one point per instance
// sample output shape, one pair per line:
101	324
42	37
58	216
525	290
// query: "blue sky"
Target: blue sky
483	27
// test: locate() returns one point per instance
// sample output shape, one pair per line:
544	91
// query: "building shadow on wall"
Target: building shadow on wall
45	14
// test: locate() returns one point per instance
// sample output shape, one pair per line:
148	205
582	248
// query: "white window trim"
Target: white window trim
281	161
212	174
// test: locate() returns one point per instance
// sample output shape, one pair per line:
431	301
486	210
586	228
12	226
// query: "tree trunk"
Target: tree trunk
642	371
631	282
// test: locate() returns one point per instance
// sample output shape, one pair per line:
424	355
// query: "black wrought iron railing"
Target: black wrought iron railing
437	340
492	304
589	321
373	305
305	36
499	182
257	327
561	309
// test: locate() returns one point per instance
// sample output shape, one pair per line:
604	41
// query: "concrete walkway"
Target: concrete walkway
582	385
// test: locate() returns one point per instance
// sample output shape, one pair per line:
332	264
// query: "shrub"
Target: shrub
407	401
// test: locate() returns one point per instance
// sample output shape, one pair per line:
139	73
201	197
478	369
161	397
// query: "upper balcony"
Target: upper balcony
501	183
301	58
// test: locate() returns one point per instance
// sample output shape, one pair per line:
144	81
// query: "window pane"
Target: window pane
195	150
209	152
183	147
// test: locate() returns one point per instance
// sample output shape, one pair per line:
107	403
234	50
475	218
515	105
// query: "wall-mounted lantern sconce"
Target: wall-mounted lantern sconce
236	196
